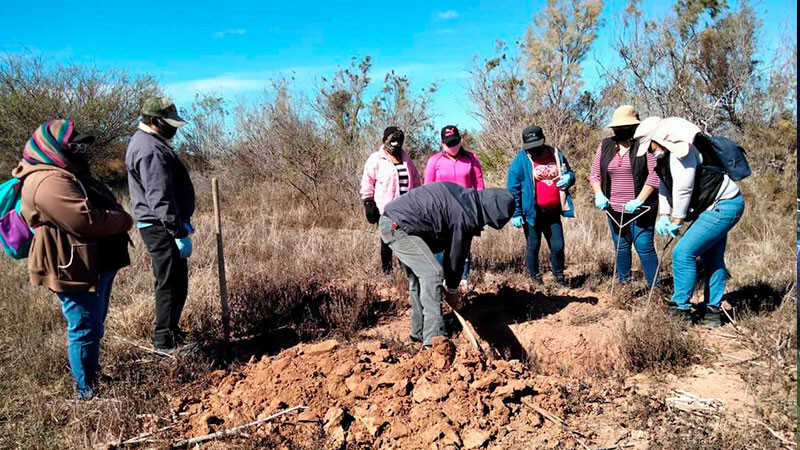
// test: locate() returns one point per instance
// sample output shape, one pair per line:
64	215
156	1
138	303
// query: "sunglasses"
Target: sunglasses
75	148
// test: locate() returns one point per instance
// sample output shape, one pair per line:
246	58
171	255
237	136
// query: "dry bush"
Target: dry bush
655	342
105	103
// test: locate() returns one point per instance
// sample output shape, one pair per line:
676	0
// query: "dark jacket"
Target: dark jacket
639	171
447	216
160	188
70	247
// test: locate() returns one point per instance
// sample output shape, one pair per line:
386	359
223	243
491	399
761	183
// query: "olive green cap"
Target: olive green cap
164	108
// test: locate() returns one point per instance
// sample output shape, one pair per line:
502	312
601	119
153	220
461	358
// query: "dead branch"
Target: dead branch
232	431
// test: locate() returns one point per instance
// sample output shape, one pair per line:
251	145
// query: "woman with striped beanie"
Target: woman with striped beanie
80	238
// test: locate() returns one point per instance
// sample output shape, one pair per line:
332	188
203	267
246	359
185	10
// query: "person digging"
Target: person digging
431	219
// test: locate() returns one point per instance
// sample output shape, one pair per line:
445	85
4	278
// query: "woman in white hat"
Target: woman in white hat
694	188
625	183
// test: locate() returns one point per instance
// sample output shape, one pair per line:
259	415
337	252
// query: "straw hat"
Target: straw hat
624	115
644	133
676	135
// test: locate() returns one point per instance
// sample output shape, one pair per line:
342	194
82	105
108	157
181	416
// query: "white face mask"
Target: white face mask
452	151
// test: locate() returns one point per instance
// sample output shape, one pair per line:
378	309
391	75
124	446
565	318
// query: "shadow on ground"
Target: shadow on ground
490	314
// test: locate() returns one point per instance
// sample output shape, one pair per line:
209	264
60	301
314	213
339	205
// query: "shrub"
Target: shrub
653	341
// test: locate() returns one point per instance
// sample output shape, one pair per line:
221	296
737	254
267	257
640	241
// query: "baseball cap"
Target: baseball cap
164	108
532	137
450	135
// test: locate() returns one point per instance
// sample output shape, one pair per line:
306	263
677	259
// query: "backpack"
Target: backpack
15	234
730	156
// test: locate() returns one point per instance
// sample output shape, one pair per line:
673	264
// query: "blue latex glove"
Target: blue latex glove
564	182
601	201
674	229
188	227
633	205
184	247
662	224
516	222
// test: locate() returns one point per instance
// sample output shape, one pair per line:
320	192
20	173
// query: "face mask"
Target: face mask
452	151
622	134
166	130
537	151
394	147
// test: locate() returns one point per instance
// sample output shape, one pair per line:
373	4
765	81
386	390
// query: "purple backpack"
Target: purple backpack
15	234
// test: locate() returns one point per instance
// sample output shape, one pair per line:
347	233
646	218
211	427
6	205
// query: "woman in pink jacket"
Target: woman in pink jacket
456	165
388	174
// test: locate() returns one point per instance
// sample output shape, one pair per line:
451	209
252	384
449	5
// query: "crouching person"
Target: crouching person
80	239
694	188
431	219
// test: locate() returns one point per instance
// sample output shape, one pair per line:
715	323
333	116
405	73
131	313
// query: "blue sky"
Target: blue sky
233	48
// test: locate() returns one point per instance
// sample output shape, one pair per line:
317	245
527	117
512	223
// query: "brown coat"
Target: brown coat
64	254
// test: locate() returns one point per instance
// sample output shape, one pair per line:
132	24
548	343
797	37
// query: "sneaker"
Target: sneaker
427	347
415	340
683	316
712	317
388	278
463	286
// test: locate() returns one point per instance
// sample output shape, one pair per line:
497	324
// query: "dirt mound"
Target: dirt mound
367	395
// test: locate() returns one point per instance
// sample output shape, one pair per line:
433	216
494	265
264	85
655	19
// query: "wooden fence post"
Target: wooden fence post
223	285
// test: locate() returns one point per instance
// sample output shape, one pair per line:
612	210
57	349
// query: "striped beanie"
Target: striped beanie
45	145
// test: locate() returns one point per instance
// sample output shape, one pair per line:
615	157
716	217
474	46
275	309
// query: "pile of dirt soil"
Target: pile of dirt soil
365	395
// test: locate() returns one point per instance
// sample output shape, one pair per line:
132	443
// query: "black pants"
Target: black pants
172	283
386	258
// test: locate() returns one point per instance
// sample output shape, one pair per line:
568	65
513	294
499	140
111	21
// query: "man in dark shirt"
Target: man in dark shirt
163	201
431	219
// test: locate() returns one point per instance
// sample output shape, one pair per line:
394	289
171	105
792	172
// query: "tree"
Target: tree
556	45
105	103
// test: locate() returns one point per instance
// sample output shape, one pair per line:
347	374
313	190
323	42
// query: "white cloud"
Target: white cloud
228	32
448	15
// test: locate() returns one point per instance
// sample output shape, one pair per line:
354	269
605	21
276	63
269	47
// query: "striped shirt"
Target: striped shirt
402	175
619	169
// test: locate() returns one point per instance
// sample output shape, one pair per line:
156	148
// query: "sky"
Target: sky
233	48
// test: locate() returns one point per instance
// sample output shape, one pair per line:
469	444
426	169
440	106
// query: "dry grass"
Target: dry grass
295	273
655	342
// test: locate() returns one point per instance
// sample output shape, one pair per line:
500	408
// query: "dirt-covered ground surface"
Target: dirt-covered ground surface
550	376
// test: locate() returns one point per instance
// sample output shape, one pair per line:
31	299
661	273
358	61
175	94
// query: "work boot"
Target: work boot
712	317
537	284
561	280
684	316
179	336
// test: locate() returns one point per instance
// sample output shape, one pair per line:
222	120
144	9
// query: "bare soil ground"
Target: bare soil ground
552	378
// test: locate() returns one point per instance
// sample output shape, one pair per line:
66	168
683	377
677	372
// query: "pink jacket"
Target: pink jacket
465	170
380	180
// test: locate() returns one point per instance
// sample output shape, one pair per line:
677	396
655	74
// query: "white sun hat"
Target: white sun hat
676	134
644	133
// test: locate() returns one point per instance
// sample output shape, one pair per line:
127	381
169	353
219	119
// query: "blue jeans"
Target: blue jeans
467	263
86	314
547	223
705	239
425	277
642	239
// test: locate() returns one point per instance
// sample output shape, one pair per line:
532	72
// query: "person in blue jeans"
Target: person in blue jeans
625	185
80	239
539	179
86	315
694	188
